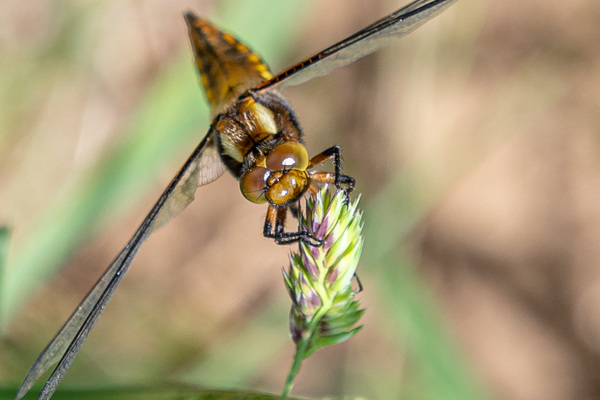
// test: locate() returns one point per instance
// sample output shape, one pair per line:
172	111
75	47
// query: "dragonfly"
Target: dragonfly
255	136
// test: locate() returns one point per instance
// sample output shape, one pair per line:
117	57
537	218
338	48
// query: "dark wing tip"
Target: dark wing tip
21	393
32	376
190	18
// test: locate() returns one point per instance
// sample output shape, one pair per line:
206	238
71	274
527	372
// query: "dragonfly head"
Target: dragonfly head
280	179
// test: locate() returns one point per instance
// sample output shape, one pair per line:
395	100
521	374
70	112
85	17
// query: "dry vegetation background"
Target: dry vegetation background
477	136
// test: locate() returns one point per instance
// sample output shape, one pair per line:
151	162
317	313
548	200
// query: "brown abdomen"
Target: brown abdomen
227	67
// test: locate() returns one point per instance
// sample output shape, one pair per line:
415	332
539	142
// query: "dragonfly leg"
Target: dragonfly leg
274	229
343	182
295	209
358	284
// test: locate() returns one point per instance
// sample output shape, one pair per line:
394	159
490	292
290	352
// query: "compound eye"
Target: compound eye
253	184
286	156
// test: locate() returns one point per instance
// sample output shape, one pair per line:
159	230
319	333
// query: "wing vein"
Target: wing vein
360	44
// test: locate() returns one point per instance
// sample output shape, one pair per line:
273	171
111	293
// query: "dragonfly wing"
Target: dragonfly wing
362	43
207	167
202	167
59	345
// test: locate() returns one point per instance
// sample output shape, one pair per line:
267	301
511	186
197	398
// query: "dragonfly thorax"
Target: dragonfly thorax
260	144
247	124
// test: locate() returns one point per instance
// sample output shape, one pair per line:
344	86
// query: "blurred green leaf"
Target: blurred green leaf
4	246
158	393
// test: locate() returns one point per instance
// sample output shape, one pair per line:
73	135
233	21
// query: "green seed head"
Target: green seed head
319	279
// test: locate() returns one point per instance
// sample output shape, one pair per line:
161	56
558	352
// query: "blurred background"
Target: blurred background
474	143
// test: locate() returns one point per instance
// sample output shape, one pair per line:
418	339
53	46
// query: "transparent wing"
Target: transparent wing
364	42
204	169
203	166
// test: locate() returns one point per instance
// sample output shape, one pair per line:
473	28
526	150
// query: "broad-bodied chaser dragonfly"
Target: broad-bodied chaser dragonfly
255	136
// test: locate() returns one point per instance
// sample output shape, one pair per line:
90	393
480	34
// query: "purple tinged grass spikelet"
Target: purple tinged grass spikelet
319	280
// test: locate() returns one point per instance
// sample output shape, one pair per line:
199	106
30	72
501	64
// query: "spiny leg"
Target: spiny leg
344	182
274	229
295	209
358	283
